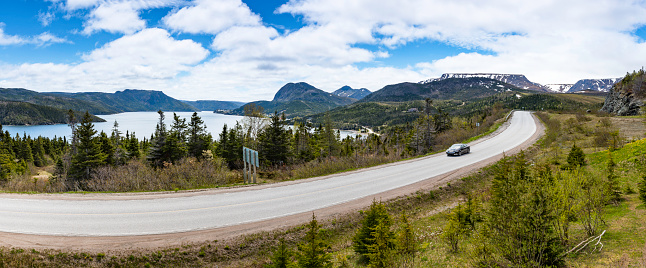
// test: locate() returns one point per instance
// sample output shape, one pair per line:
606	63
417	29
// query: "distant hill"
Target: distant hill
602	85
129	100
353	93
451	88
517	80
23	113
298	99
213	105
60	102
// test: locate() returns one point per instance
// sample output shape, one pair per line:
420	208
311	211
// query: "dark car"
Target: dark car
458	149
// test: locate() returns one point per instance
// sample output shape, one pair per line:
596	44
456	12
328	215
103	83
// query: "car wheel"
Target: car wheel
459	153
468	151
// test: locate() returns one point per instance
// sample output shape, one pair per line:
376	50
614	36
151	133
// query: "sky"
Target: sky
246	50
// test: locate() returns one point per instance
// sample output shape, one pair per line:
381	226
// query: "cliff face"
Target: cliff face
627	97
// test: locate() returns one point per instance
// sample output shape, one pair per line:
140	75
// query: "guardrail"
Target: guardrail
509	114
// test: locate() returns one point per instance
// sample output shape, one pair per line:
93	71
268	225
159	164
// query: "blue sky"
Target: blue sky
246	50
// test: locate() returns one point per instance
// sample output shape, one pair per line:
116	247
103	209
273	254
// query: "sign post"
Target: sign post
250	159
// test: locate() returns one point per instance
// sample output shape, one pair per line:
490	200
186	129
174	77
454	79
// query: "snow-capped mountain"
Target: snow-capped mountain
354	93
518	80
603	85
559	88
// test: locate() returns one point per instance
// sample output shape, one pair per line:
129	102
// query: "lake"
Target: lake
142	123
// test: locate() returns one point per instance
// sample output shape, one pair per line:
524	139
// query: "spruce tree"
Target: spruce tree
642	189
89	155
198	139
576	157
613	189
364	237
312	252
406	241
380	251
158	149
274	142
282	257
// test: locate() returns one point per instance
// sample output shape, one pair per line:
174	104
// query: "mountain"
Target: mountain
298	99
517	80
353	93
559	88
213	105
603	85
627	97
24	113
306	92
444	89
129	100
59	102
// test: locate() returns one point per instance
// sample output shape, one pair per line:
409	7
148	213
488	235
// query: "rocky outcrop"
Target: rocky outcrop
627	97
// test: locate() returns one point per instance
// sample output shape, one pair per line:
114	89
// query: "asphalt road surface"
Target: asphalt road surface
169	214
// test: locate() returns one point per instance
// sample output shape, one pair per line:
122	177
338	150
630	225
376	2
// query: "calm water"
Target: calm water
142	123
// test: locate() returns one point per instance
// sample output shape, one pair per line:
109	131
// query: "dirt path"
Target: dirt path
106	244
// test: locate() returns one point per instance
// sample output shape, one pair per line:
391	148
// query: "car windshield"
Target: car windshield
455	146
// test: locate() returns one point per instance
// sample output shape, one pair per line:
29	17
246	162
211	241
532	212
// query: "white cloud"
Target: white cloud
211	16
41	40
114	17
9	39
148	59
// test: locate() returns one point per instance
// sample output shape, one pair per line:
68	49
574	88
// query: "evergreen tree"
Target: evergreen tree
519	222
381	249
364	237
39	153
107	148
612	188
274	142
642	189
576	157
406	241
312	252
176	140
282	257
120	151
198	140
158	149
89	155
132	146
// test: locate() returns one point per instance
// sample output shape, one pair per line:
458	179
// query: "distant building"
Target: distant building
413	110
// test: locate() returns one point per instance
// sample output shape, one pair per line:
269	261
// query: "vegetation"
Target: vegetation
23	113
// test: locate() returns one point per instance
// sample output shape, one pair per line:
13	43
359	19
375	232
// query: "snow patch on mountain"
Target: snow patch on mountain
559	88
518	80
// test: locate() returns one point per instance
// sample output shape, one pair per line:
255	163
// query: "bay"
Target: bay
141	123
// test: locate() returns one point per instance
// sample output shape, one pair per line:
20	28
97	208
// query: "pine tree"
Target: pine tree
274	142
613	189
381	249
364	237
282	257
642	189
312	252
89	155
406	242
158	149
198	139
107	148
576	157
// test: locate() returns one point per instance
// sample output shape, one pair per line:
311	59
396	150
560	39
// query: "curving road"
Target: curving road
162	215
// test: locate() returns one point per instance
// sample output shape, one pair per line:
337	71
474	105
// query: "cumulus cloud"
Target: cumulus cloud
211	17
147	59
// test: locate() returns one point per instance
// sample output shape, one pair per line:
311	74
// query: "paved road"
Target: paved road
53	216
